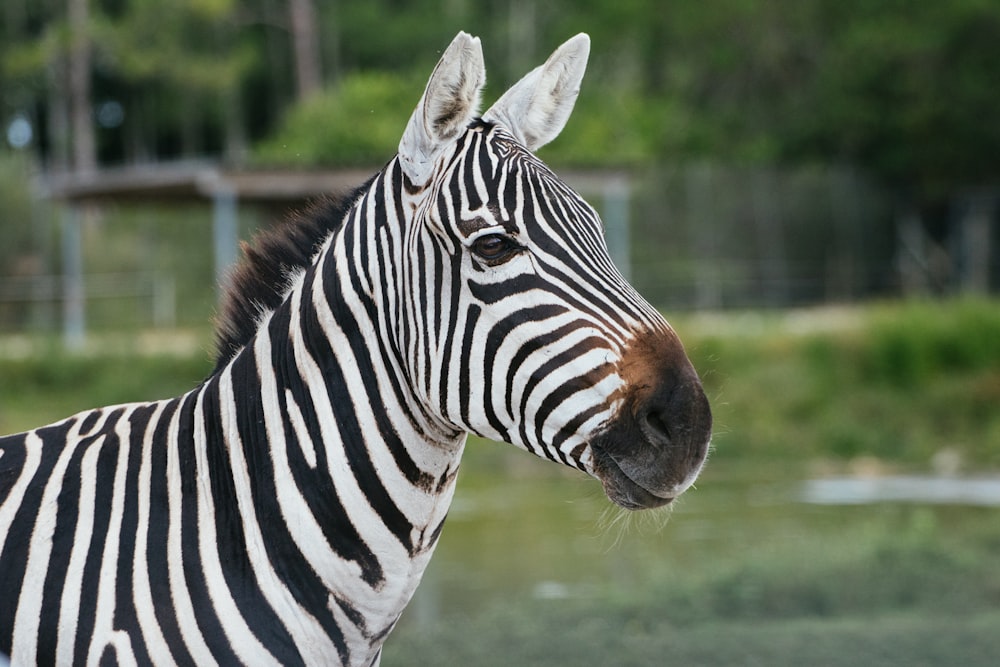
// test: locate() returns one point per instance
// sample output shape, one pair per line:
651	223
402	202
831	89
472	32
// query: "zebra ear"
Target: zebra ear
536	108
450	102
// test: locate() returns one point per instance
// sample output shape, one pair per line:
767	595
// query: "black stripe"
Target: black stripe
315	485
464	375
451	329
13	456
155	556
104	473
422	298
467	173
89	421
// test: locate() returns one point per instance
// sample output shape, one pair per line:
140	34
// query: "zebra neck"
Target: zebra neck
314	423
332	392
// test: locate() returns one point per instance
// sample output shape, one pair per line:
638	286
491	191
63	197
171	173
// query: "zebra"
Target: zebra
284	510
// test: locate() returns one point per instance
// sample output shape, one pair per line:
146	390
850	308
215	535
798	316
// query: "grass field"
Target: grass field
743	572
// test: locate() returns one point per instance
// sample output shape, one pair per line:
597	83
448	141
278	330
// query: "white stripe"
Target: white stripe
105	613
299	426
183	608
241	639
142	595
69	607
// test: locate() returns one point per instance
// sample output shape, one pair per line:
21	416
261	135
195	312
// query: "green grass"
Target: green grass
51	384
738	576
598	636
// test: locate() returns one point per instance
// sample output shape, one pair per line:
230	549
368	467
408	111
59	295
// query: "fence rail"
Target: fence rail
25	299
698	236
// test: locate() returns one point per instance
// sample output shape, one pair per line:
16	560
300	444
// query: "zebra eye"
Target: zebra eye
493	247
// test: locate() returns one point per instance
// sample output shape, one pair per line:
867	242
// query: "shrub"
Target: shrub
358	123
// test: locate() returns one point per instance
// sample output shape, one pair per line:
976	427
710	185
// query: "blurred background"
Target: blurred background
809	190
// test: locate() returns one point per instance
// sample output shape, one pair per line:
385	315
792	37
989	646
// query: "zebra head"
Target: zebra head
527	331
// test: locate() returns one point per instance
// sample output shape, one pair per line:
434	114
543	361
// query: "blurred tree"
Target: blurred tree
189	57
33	76
908	90
305	40
81	113
25	245
901	88
340	126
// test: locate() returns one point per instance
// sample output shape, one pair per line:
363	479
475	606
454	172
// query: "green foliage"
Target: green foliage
901	384
18	236
898	88
612	129
189	44
904	92
925	341
357	123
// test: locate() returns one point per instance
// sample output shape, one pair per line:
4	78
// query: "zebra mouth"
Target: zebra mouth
620	488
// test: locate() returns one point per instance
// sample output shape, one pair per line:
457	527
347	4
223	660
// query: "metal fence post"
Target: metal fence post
74	313
616	225
224	233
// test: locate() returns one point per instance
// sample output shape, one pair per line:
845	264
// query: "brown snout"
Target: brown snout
657	443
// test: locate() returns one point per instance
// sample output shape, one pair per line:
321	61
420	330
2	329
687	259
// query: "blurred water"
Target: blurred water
982	491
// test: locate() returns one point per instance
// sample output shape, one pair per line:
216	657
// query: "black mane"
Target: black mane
258	282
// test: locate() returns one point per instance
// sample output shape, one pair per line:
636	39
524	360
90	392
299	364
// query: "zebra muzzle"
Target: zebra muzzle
655	446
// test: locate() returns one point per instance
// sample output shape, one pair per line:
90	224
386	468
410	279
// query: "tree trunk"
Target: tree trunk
305	45
235	131
81	121
58	118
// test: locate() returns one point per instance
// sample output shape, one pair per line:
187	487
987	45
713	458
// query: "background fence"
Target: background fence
703	236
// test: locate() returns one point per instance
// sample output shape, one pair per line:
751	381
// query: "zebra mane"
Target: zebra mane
259	282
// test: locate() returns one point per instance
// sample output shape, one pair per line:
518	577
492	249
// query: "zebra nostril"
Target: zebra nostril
655	428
